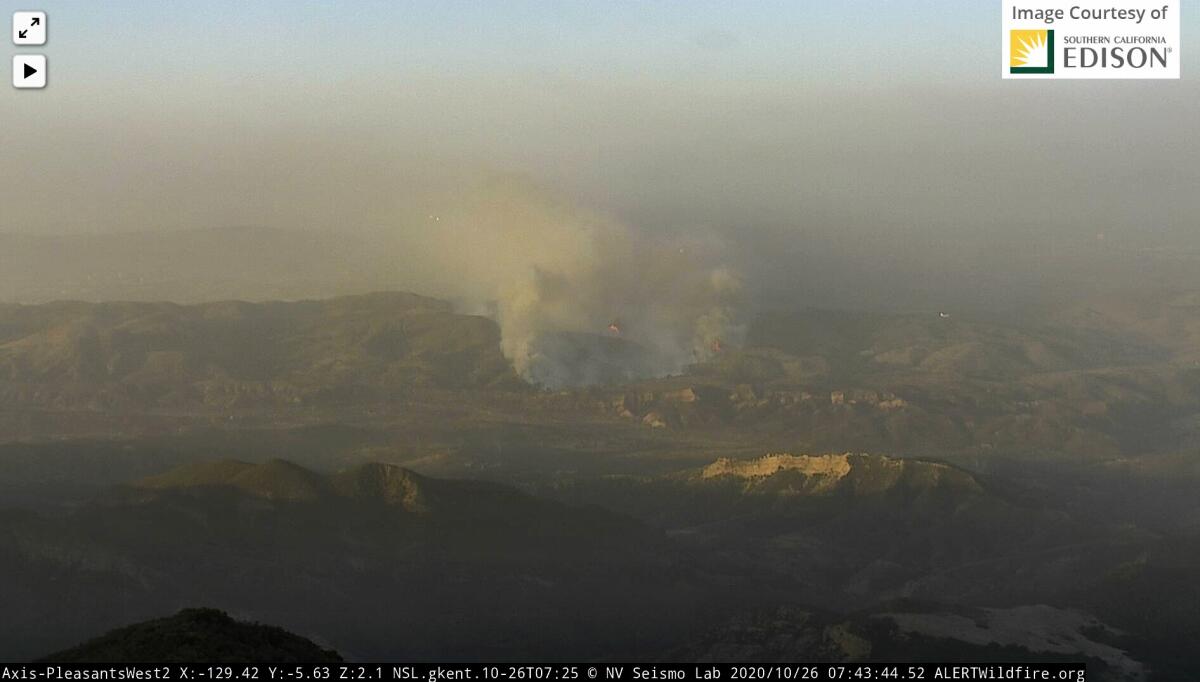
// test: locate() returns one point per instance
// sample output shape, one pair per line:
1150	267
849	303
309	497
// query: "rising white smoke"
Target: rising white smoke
557	278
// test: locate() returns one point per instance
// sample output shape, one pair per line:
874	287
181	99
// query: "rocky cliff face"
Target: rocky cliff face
859	474
828	466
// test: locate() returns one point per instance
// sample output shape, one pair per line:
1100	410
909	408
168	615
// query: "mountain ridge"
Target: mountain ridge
230	353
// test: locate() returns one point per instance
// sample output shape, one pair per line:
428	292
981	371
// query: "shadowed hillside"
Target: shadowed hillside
376	560
856	528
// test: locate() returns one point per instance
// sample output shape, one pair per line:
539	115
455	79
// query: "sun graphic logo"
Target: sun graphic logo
1031	51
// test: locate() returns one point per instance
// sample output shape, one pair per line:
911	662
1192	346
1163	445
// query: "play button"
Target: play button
29	71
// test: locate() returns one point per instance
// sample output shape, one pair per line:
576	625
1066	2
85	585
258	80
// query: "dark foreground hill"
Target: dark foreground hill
196	635
380	562
377	561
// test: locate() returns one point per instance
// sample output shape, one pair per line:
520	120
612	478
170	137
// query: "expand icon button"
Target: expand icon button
29	28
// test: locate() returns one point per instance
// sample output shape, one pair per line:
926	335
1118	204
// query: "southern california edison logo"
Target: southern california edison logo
1031	51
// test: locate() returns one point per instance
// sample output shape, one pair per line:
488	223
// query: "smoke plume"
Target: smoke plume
580	297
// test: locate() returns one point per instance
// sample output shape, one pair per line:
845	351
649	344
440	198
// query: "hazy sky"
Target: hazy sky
850	123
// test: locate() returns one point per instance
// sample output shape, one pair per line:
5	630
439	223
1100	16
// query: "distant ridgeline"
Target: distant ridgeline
228	354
